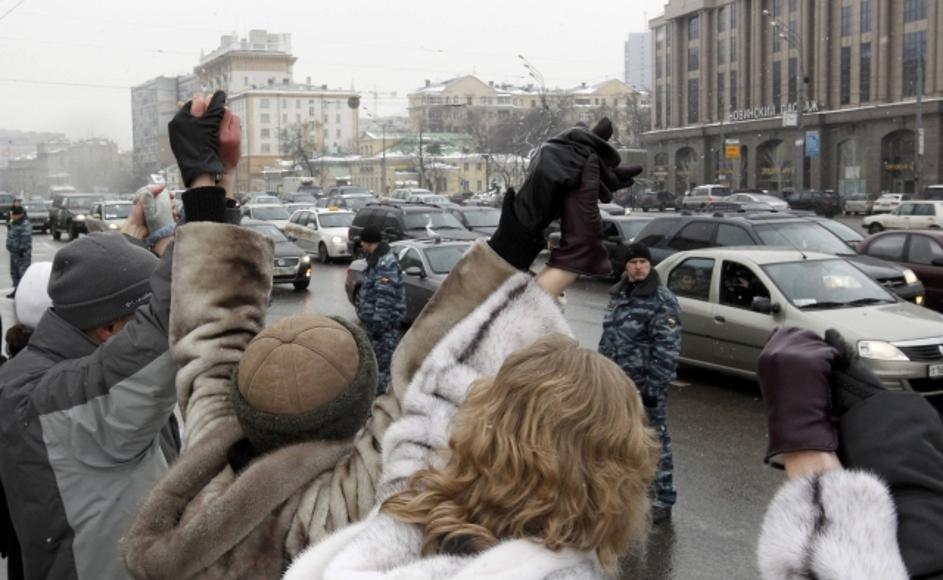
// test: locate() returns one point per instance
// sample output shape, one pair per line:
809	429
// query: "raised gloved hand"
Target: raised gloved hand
555	171
794	371
581	250
158	212
194	139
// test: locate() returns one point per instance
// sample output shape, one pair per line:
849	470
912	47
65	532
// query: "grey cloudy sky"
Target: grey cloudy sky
68	65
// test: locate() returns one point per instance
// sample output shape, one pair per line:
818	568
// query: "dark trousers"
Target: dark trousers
662	491
18	266
384	344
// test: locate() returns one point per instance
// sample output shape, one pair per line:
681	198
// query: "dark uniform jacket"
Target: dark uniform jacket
642	332
20	238
382	295
80	437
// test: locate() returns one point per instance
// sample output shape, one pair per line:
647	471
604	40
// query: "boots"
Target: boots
581	250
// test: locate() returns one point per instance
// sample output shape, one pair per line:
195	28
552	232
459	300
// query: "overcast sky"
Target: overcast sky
68	65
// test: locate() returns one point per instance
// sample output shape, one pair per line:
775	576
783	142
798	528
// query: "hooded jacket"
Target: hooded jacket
80	428
207	518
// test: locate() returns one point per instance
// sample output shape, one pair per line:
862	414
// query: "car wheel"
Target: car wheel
875	228
323	256
56	234
73	232
303	285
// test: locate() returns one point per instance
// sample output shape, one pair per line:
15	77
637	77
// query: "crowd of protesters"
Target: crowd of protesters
153	426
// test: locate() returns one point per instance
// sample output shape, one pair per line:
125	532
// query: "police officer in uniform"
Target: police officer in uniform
382	301
642	334
19	245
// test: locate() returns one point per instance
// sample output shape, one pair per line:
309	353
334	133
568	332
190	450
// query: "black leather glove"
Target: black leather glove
581	248
794	371
195	140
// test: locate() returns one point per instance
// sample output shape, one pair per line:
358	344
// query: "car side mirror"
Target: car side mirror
937	261
763	305
414	271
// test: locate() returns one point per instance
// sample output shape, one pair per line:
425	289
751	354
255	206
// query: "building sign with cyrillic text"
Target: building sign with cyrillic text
771	111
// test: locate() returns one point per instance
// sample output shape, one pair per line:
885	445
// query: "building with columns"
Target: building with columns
731	76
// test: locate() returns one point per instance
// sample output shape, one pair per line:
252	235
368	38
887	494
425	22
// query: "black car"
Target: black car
478	218
69	210
37	211
407	221
657	200
292	264
665	236
425	264
827	203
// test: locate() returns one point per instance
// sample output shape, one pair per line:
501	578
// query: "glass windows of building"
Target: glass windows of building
793	5
915	52
693	58
721	93
658	66
915	10
845	85
659	99
777	40
864	73
777	8
733	16
777	82
733	91
733	49
866	10
793	80
846	21
694	101
722	19
694	31
721	52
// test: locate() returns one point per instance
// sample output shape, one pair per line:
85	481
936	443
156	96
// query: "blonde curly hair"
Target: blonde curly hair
555	449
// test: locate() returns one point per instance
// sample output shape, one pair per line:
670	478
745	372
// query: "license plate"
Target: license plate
935	371
291	272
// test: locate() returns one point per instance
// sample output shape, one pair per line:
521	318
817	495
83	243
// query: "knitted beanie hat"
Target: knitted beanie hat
304	378
32	299
633	251
100	278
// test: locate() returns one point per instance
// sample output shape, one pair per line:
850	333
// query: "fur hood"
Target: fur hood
836	525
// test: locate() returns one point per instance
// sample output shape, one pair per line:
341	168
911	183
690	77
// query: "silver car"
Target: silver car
108	216
732	299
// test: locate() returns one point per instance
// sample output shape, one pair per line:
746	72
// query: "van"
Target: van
931	193
702	195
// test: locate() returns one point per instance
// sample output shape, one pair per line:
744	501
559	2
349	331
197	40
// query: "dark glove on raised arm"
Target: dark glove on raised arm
794	372
195	140
581	248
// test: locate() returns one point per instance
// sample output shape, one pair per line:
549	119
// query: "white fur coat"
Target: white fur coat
514	316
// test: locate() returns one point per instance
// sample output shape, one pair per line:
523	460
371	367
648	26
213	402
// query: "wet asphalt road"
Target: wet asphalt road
717	426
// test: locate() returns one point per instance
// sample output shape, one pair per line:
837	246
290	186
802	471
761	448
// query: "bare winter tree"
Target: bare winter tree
292	143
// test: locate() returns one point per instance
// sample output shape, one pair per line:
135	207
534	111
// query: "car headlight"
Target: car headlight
306	260
910	277
919	300
337	240
80	218
879	350
112	226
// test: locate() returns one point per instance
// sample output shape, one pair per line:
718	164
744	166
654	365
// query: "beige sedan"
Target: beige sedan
108	216
732	298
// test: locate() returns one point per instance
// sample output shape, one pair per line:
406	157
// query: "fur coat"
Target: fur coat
203	520
512	316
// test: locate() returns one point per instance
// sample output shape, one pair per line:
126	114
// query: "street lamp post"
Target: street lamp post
795	41
382	148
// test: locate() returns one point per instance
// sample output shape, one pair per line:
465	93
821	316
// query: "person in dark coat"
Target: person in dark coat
382	301
642	334
19	245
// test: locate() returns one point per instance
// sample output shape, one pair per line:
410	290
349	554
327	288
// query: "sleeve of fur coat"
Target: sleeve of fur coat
839	524
217	306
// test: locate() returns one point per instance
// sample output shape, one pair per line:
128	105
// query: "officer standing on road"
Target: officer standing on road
19	245
382	301
642	334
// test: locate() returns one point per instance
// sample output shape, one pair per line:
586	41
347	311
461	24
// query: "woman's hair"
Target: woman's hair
554	449
17	337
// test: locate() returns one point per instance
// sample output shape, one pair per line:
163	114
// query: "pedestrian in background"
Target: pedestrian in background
19	245
642	334
382	301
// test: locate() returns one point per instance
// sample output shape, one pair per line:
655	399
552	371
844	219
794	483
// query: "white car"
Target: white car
321	231
909	215
274	213
404	193
888	202
704	195
770	200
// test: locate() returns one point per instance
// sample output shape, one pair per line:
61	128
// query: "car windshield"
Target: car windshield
803	236
844	232
336	220
265	199
437	220
826	284
346	190
631	228
270	213
487	218
35	207
270	232
303	198
117	211
357	203
442	258
85	202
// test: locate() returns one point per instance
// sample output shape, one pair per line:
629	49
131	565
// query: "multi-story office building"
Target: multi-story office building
731	76
638	60
153	105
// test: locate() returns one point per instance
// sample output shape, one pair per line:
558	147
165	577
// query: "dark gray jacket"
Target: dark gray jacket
80	429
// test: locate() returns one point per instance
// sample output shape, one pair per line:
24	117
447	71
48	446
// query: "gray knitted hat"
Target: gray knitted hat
306	377
100	278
